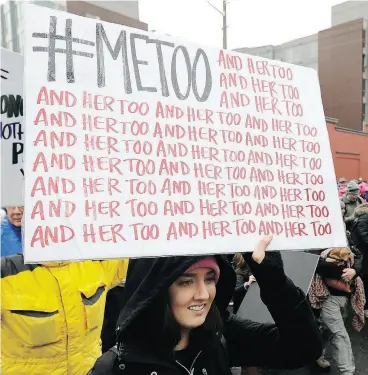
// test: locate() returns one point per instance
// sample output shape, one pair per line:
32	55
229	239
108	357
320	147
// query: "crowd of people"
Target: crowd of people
171	315
340	285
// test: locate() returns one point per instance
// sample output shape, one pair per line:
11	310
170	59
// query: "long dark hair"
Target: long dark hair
239	264
161	332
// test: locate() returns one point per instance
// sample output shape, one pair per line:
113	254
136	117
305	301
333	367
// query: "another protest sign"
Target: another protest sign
12	129
299	267
140	145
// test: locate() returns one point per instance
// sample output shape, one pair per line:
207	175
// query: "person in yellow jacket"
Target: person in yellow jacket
52	314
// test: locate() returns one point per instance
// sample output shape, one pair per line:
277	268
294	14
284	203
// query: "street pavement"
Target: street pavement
360	349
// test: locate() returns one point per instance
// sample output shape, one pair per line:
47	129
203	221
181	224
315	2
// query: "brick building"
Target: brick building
106	11
349	151
342	73
340	54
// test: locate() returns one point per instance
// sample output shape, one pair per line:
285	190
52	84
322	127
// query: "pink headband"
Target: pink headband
208	262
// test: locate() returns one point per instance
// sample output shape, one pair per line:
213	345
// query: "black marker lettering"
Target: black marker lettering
121	44
161	66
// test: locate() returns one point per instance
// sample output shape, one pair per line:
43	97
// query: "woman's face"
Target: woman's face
191	297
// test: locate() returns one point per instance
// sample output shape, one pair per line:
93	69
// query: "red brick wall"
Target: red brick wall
349	151
340	70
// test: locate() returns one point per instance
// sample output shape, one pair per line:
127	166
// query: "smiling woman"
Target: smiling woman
175	320
191	297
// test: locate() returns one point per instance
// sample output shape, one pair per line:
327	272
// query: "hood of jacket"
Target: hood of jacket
361	210
149	279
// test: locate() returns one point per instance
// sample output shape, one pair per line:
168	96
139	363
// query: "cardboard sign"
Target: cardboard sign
12	129
146	146
299	267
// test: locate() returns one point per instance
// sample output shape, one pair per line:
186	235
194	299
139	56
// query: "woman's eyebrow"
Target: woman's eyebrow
188	275
211	272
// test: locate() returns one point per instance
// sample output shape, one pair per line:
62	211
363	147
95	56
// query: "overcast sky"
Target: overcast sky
251	22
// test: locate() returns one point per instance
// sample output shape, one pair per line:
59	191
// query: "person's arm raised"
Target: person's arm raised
294	340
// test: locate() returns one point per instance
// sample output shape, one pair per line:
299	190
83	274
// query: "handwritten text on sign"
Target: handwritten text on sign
12	128
141	146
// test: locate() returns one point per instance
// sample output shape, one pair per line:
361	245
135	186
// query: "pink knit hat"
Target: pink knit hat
208	262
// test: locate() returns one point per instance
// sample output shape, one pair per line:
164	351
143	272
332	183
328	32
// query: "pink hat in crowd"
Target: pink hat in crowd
208	262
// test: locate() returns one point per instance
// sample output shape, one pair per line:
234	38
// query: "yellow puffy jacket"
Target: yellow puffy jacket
52	315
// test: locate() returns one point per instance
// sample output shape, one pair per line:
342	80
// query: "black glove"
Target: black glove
269	273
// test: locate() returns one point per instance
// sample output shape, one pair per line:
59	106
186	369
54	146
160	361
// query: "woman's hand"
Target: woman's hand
267	267
348	274
252	279
259	252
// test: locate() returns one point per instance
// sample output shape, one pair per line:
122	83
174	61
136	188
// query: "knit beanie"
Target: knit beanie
208	262
352	188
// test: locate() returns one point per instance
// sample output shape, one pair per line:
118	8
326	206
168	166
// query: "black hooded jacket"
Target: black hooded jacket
292	342
360	234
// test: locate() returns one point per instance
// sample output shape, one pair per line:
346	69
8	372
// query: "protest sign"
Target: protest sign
141	145
299	267
12	129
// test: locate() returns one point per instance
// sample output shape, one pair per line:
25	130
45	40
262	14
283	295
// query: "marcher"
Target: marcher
52	314
335	285
176	321
351	200
360	237
11	231
244	280
342	186
332	270
363	187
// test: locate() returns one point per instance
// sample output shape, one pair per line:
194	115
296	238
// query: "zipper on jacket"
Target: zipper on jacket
190	372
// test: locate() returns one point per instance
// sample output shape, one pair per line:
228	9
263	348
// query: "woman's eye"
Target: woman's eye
185	282
211	279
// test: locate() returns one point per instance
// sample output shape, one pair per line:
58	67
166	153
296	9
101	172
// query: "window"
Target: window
363	112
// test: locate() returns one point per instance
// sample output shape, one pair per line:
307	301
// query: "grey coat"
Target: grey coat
350	208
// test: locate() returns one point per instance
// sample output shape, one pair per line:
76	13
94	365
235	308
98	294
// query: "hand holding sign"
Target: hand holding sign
259	252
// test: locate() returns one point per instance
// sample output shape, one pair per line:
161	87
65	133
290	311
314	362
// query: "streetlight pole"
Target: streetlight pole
224	24
224	21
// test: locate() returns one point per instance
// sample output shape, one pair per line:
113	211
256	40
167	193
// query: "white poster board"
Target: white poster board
12	129
140	145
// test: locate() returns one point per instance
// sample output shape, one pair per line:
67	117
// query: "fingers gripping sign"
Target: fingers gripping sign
259	252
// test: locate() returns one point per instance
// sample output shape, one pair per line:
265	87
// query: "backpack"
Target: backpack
107	364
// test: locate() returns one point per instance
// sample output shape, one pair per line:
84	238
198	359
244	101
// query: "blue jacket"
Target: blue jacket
11	238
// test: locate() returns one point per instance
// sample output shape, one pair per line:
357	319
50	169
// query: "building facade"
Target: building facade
348	11
12	16
342	73
340	55
349	151
301	51
120	12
